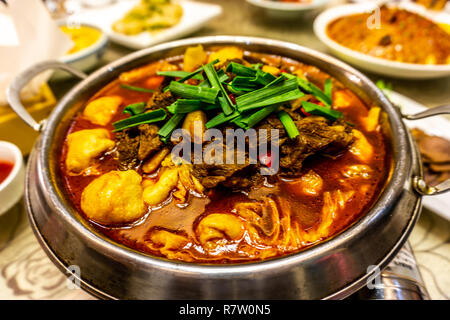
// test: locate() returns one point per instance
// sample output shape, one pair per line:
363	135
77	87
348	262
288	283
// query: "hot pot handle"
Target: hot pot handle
419	183
13	91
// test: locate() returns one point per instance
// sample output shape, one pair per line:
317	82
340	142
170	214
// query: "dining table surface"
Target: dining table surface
27	273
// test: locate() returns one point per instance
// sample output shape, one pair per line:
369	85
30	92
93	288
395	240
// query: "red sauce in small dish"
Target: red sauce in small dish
5	169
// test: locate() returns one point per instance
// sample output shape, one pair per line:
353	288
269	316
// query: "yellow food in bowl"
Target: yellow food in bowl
82	37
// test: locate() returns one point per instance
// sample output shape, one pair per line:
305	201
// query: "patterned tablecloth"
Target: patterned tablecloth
27	273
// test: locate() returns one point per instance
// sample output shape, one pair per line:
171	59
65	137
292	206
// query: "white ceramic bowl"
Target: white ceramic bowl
11	189
373	64
85	59
287	9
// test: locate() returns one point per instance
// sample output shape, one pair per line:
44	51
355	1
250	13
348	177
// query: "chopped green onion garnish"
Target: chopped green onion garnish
304	85
288	124
179	74
239	90
258	78
204	84
225	101
225	106
308	87
286	91
241	83
188	91
315	109
320	95
328	89
277	81
189	105
257	66
240	70
167	129
248	121
220	119
211	74
222	76
140	89
148	117
184	106
191	75
264	78
135	108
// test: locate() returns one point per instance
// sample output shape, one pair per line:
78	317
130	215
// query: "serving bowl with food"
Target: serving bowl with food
104	190
89	44
139	24
384	38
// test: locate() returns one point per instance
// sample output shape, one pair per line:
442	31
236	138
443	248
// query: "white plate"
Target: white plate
195	15
373	64
278	9
437	126
446	8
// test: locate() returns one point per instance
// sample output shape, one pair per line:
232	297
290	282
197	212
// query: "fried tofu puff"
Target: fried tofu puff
226	53
361	148
84	146
310	184
100	111
114	198
155	194
218	229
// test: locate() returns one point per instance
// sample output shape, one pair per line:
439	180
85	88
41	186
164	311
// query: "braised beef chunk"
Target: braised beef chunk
127	142
211	175
136	144
234	176
272	123
149	141
160	100
244	179
317	136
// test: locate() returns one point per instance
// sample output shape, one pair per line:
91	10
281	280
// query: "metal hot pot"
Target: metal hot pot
332	269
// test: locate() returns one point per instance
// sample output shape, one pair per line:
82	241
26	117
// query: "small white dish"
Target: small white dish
374	64
437	126
195	15
85	59
11	189
281	9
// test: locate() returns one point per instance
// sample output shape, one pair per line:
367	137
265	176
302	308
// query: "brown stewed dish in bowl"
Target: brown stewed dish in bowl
326	163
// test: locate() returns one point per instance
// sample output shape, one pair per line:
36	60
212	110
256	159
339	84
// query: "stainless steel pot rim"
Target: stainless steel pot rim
379	209
85	285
